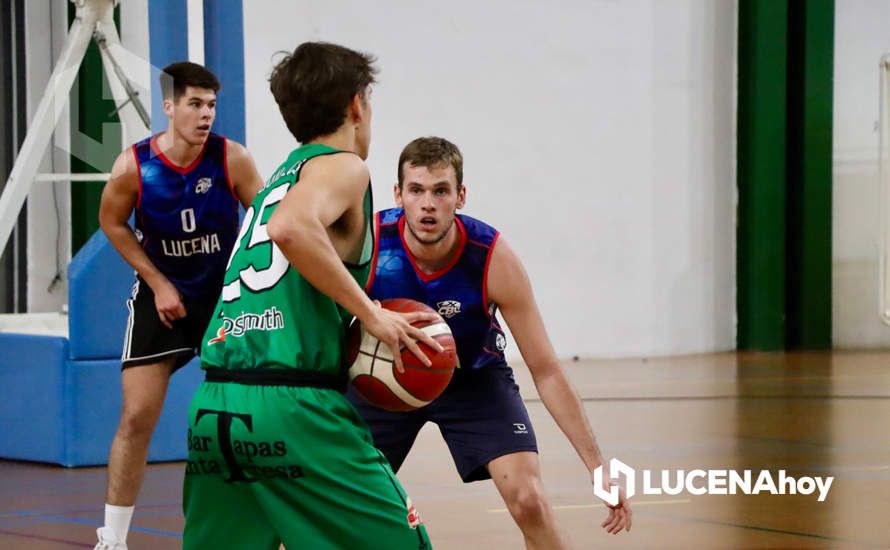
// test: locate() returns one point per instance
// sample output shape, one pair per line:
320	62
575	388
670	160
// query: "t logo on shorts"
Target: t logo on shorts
224	432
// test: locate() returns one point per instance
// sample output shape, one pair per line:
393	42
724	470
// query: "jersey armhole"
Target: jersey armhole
376	230
225	156
138	173
485	274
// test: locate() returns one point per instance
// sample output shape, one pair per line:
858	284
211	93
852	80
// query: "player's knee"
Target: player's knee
137	422
529	507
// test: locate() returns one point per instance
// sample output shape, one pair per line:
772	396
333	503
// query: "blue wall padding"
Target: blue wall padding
224	55
95	403
168	42
32	404
60	399
99	283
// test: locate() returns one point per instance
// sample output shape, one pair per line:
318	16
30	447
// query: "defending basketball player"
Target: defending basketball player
184	186
461	268
276	452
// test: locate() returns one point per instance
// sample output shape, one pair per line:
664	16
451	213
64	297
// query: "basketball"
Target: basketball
373	373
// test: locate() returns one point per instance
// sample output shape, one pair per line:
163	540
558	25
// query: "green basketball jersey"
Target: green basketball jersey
269	316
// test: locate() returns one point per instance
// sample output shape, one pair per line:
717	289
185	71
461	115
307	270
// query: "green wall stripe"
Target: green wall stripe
762	56
95	104
808	284
785	68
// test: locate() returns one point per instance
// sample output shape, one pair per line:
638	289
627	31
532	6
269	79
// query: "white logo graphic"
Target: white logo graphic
520	428
701	482
270	319
500	342
616	468
203	185
448	308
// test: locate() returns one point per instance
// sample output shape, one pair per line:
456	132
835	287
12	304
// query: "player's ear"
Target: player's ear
397	195
168	107
461	196
357	108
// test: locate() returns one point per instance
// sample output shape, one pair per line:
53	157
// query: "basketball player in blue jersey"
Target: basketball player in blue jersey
183	185
460	267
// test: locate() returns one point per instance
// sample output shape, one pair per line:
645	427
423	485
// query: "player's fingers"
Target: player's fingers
624	521
415	316
419	334
615	524
164	319
608	518
396	356
610	526
412	346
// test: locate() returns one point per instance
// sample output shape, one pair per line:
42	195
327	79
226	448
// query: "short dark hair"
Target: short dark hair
432	152
314	85
179	76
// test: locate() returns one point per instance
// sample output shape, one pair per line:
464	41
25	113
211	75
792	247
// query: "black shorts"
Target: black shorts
481	417
148	341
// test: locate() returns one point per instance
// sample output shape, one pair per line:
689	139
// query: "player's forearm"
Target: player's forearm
308	248
123	239
561	400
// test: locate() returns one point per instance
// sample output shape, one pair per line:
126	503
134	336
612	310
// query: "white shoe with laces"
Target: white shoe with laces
108	540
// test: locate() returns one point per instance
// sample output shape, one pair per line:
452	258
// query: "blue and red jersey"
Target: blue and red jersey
187	217
457	292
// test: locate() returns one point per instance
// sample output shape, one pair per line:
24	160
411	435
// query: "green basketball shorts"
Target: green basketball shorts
291	465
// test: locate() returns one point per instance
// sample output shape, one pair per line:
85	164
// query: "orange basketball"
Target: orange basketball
372	370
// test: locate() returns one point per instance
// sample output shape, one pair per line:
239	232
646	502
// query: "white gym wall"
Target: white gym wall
45	30
598	136
860	39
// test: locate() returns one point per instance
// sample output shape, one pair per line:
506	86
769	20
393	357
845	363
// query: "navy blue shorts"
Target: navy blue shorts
481	417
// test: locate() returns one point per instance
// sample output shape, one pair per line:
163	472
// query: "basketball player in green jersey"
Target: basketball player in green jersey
276	452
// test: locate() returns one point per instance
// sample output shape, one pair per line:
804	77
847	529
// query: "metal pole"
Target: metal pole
47	115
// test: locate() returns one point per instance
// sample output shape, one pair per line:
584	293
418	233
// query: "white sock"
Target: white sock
118	519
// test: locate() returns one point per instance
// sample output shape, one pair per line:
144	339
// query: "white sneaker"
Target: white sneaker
108	540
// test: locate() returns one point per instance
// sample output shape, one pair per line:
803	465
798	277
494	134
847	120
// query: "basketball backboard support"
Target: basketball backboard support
93	21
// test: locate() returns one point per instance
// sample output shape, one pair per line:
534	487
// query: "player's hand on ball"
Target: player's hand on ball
169	304
395	330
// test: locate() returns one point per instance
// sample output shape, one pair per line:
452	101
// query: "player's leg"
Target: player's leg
330	488
144	389
151	353
393	433
488	431
219	514
517	477
219	511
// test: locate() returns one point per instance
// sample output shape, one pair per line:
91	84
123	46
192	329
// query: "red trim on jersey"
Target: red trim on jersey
138	171
226	169
485	273
182	170
427	277
374	255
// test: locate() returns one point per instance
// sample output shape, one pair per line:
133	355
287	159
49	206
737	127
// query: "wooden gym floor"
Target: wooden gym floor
816	414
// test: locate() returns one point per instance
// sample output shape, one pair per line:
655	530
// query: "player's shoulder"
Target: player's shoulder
389	215
232	147
340	166
126	165
477	229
